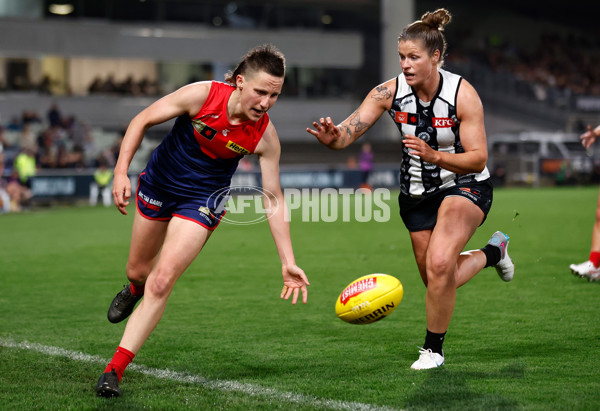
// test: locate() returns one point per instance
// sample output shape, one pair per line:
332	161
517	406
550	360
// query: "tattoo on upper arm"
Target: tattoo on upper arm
358	125
382	93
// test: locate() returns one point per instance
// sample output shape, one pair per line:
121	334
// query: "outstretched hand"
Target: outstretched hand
325	131
294	281
588	138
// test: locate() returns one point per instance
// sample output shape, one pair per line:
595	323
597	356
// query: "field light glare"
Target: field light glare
61	9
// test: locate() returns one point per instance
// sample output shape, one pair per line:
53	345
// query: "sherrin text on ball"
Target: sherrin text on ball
369	298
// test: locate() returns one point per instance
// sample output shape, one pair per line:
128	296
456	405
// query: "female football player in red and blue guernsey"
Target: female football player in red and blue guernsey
217	123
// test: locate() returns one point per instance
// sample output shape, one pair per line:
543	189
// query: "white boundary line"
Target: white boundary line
222	385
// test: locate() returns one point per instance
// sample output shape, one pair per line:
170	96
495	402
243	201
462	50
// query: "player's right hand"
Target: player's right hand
121	192
325	131
588	138
294	282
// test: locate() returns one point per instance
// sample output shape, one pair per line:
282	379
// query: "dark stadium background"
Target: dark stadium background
487	43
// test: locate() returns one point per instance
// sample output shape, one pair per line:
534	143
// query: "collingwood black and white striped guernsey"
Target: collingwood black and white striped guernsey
436	123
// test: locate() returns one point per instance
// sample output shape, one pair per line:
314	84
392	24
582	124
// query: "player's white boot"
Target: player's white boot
505	267
586	270
427	360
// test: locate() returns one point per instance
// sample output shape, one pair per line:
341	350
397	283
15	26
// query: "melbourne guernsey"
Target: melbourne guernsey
436	123
200	154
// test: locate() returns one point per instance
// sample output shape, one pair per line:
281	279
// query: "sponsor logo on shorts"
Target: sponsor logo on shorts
236	147
205	210
470	193
470	190
207	215
149	203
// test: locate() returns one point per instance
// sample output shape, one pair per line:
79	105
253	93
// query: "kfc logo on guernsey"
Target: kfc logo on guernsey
441	122
407	118
357	288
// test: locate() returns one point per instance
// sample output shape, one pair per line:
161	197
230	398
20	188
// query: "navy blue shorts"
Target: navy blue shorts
156	204
421	213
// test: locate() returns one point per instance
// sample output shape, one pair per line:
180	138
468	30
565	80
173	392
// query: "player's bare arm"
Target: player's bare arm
294	278
188	99
472	137
373	106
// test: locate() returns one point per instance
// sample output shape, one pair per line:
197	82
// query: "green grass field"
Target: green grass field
227	341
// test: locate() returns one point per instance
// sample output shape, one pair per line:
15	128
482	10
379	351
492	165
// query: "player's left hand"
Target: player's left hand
420	148
294	282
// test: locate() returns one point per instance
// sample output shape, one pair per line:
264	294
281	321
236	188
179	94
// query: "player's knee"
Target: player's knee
440	267
162	283
137	273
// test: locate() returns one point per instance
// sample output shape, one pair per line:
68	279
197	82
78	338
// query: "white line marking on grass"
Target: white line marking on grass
222	385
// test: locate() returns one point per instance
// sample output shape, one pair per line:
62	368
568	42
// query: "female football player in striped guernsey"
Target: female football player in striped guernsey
445	189
176	211
590	269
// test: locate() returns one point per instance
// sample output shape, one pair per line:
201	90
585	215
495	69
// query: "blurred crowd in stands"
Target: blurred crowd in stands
558	68
32	142
108	85
555	67
128	87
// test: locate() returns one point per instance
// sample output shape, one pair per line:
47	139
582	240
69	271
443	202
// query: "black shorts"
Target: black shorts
421	213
